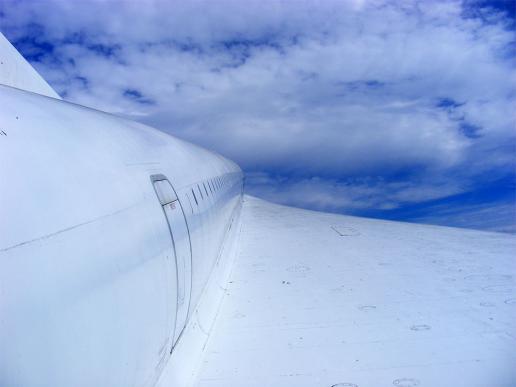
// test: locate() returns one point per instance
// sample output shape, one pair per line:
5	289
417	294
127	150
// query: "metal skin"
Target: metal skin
130	258
88	279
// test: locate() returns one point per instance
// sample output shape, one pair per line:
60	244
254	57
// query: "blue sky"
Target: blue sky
394	109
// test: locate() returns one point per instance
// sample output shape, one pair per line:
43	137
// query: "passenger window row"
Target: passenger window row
211	187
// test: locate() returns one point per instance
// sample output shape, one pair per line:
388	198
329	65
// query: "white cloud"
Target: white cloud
351	195
500	217
411	94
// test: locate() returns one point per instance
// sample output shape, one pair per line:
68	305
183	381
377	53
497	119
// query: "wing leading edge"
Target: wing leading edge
327	300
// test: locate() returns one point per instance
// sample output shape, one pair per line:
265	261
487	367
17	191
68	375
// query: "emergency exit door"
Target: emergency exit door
181	241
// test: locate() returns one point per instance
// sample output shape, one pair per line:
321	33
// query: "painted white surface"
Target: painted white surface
88	286
181	241
326	300
15	71
183	366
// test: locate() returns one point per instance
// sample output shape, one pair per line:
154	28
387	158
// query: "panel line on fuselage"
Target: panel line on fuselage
55	233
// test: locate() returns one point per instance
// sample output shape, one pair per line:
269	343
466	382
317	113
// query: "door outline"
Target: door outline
160	177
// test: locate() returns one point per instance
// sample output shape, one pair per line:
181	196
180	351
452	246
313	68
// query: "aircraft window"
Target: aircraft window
205	189
195	197
200	192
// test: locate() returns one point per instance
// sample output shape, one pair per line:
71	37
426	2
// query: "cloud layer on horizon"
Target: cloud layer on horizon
328	105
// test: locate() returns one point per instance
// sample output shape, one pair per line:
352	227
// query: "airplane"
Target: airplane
129	257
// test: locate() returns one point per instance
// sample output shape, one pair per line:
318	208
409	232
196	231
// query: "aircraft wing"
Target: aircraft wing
320	299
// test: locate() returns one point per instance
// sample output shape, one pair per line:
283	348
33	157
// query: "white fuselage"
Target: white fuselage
92	264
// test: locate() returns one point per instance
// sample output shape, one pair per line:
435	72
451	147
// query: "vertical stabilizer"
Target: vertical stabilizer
15	71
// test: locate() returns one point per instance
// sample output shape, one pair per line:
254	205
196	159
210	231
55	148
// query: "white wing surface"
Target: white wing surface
327	300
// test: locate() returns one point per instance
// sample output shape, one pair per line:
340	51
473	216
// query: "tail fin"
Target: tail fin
15	71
